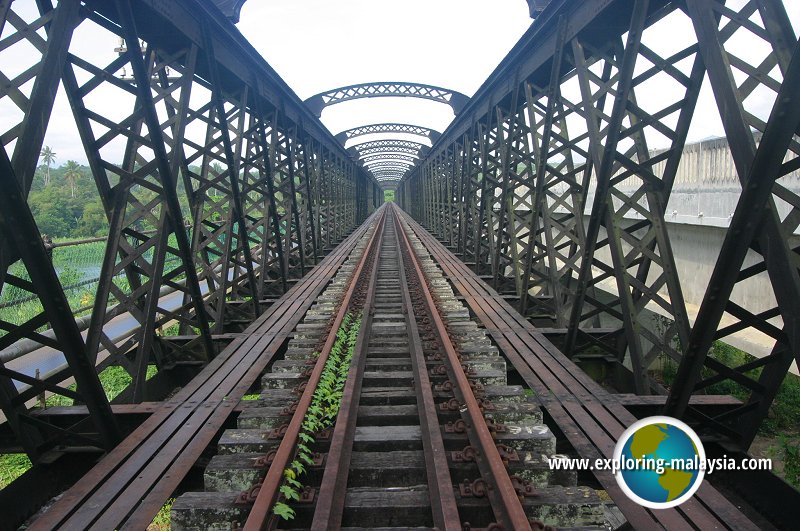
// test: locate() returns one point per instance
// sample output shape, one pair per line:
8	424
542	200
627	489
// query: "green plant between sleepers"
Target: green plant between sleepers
321	413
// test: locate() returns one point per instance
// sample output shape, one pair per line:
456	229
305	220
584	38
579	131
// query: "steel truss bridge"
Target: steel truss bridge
543	202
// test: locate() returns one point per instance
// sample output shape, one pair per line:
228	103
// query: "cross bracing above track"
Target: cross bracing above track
318	102
392	143
387	174
390	148
397	165
372	129
389	157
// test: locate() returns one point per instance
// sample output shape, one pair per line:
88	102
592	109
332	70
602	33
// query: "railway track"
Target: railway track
390	408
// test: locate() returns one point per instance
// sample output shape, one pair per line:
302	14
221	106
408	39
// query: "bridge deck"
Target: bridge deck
130	484
590	417
126	489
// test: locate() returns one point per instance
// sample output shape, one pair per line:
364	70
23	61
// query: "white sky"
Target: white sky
316	45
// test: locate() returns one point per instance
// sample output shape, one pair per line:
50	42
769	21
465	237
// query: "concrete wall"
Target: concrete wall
704	197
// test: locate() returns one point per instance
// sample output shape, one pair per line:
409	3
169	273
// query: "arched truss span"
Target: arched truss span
372	129
390	143
382	171
388	166
407	151
394	162
387	157
393	175
388	171
404	169
382	89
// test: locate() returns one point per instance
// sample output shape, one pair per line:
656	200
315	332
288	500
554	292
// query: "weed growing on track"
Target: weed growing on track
322	412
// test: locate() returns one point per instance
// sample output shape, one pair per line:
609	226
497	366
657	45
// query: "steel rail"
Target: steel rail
501	493
258	519
333	489
440	483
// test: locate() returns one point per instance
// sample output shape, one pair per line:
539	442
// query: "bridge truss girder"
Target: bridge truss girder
244	188
372	129
389	157
395	165
509	183
389	143
393	149
397	89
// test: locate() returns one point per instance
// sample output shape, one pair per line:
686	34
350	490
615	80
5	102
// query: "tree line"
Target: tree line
66	204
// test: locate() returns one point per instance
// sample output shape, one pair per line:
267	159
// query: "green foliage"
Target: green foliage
163	520
251	397
51	212
322	411
93	221
283	510
785	408
388	196
114	380
73	172
791	462
12	466
170	331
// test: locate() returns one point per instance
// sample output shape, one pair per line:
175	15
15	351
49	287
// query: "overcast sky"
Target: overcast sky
450	43
317	45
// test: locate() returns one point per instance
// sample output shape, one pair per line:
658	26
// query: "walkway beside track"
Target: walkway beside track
590	417
129	485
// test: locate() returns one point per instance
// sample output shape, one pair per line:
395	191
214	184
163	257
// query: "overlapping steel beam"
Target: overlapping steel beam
389	164
389	157
382	128
390	143
550	182
411	152
216	181
396	89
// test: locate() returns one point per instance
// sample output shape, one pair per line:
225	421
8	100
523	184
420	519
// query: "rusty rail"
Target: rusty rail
440	483
259	517
332	492
500	490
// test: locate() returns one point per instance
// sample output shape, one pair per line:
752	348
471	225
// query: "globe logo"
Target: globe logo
661	462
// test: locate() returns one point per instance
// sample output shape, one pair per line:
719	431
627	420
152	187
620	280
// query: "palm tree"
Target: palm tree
217	169
72	173
48	157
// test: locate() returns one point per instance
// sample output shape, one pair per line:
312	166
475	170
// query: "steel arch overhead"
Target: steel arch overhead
388	173
389	143
383	163
397	150
380	176
510	180
389	157
388	165
383	89
371	129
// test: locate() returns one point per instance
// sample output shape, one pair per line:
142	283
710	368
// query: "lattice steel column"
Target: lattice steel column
766	216
630	180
